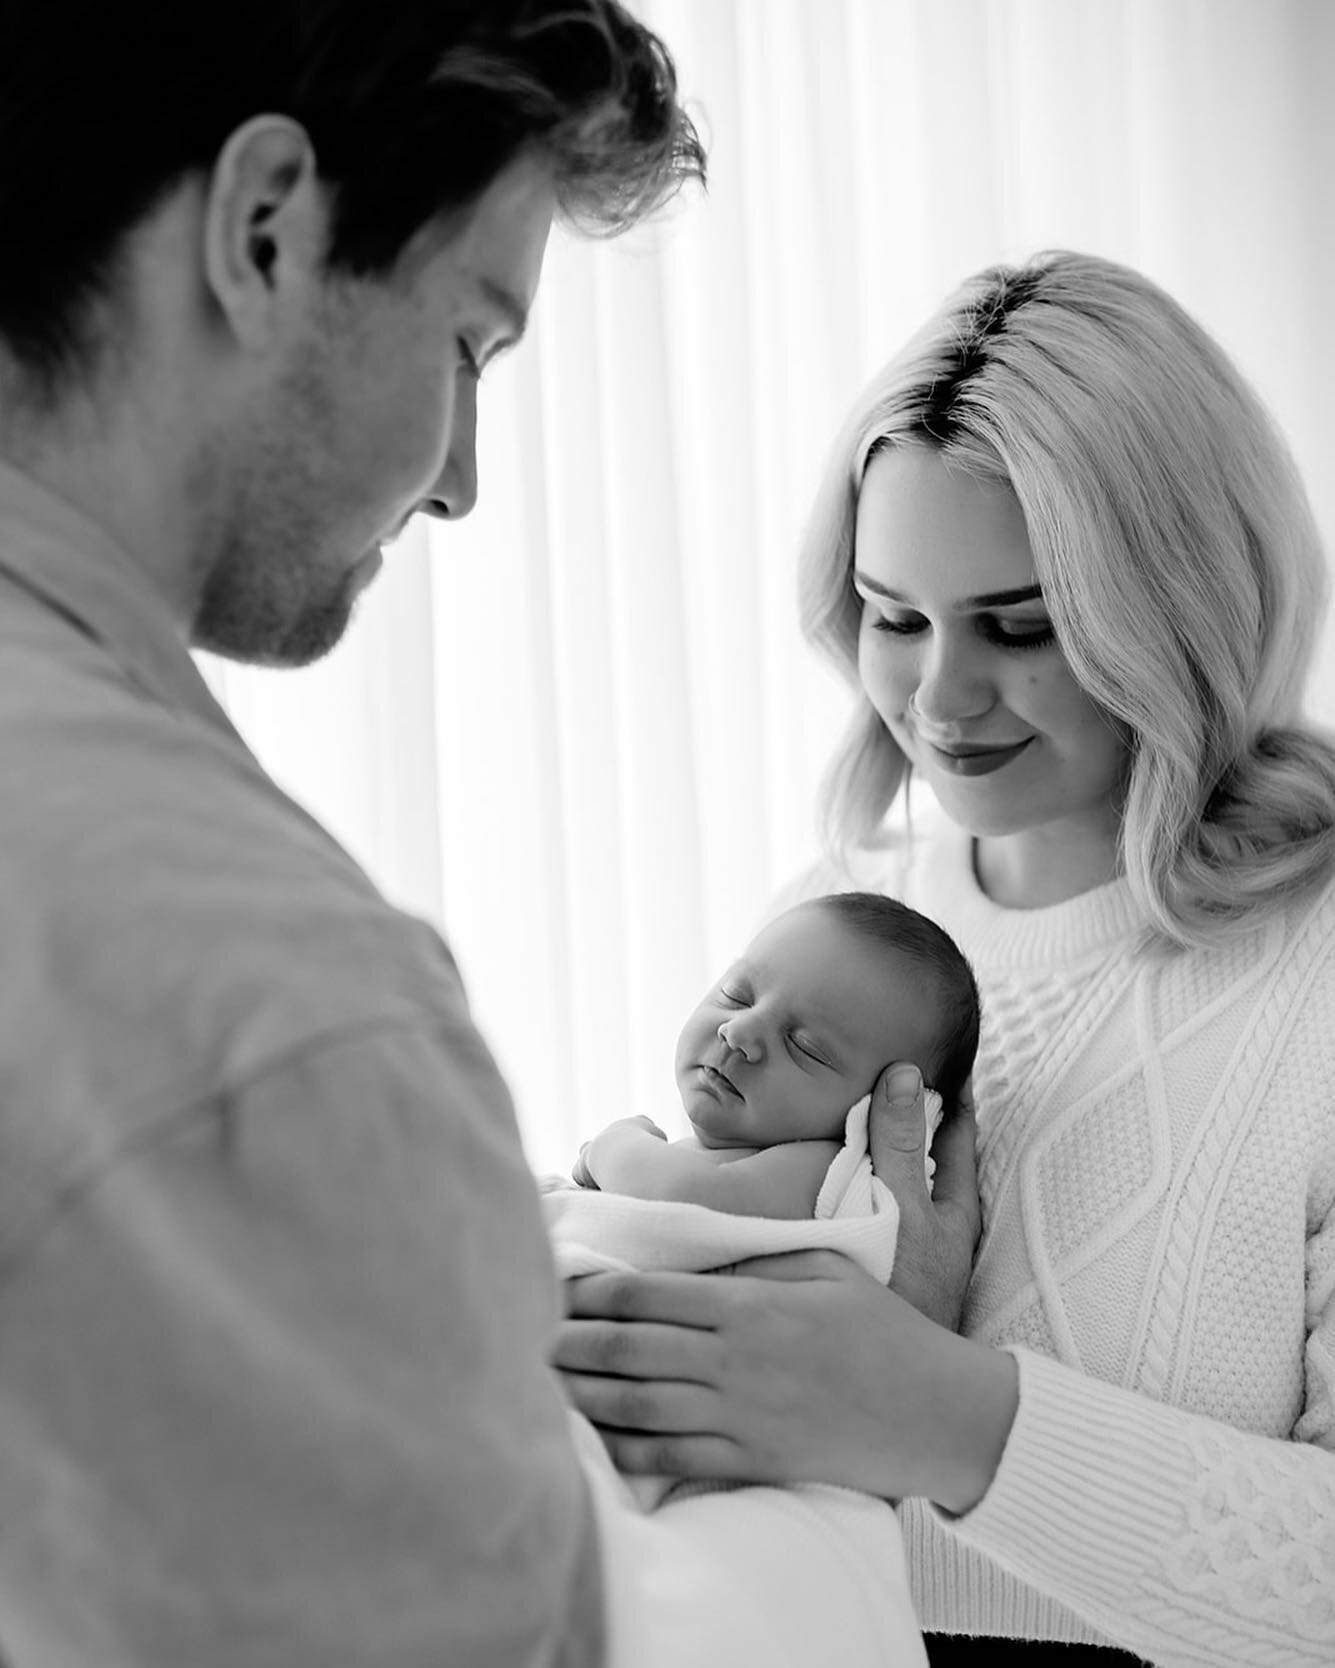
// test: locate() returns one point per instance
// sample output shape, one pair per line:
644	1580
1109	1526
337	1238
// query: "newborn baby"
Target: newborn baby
793	1035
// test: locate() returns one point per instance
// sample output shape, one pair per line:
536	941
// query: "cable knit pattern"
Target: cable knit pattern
1157	1164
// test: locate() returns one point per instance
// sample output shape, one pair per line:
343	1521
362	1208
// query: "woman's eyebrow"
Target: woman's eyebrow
989	599
1003	599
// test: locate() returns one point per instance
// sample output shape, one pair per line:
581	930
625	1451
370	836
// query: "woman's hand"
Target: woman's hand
938	1231
801	1367
795	1368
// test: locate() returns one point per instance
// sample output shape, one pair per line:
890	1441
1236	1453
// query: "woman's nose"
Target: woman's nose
950	688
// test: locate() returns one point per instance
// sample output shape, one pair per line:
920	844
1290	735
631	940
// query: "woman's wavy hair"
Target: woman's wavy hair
1179	560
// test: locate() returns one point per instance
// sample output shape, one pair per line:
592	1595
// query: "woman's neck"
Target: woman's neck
1039	867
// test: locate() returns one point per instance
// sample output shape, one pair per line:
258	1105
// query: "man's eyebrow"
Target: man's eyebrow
989	599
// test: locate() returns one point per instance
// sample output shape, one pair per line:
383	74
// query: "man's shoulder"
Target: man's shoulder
126	802
172	916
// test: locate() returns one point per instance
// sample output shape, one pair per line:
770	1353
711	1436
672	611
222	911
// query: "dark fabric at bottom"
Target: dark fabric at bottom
955	1650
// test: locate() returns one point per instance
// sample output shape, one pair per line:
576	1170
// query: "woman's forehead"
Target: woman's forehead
924	524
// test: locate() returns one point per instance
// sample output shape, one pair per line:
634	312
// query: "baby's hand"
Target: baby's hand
593	1154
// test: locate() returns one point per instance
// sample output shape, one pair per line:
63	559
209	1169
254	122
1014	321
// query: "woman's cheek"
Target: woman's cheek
887	691
872	670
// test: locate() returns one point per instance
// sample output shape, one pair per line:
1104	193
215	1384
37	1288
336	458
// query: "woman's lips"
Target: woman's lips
975	761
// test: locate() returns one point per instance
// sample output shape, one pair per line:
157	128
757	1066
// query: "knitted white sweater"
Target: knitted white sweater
1157	1164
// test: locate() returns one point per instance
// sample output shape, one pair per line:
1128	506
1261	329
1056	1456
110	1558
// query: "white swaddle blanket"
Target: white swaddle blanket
855	1213
750	1575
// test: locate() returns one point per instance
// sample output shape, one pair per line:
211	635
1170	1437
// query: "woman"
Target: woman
1067	563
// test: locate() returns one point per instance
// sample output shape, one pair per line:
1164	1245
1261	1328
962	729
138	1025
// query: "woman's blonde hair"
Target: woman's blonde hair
1178	556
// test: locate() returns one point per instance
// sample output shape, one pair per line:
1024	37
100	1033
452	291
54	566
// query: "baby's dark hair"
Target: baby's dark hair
893	925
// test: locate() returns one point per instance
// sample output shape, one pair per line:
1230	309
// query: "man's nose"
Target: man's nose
455	492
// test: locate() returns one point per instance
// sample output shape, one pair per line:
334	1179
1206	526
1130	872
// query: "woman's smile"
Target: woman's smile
974	761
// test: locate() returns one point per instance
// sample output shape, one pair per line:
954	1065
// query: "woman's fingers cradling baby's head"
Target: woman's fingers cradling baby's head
938	1230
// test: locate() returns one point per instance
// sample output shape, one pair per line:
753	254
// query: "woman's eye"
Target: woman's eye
732	996
1007	634
1017	634
900	625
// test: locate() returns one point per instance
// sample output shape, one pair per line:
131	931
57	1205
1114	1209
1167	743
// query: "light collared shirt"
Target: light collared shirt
275	1296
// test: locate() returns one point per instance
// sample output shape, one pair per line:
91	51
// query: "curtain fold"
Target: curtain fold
580	731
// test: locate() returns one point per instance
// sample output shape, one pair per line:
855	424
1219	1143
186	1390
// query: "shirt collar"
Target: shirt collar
59	555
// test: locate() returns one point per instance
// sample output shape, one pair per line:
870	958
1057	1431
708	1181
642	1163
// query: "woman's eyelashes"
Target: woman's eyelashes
1006	634
1010	634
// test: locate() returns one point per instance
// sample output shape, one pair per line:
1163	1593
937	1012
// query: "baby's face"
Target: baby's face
797	1030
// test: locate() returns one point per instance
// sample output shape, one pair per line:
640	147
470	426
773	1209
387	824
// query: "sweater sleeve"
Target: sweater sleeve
1179	1537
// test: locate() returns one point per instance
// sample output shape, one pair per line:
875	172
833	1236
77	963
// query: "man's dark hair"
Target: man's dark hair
413	108
893	925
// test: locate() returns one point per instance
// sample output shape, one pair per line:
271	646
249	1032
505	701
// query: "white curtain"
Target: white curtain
580	732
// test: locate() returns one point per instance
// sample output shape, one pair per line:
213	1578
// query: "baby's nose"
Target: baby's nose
736	1038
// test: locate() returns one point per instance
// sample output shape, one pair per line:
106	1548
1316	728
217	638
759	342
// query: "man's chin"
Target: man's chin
299	647
369	566
258	637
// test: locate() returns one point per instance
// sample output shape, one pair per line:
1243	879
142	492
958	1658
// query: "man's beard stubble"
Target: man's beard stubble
261	613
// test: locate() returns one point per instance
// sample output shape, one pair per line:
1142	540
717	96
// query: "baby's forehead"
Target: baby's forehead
791	937
865	981
814	931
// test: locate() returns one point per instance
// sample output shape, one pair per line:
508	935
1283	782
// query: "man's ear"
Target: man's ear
265	224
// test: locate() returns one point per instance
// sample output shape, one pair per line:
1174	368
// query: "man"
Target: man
274	1294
